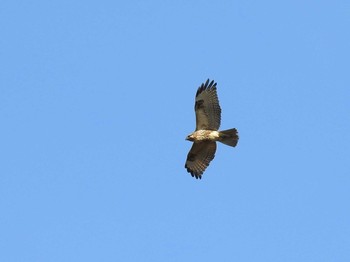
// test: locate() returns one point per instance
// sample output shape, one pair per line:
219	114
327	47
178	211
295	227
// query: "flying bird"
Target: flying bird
208	119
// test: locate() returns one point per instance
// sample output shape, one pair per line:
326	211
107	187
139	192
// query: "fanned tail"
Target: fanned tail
229	137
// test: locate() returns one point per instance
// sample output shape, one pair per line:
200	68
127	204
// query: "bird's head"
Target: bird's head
190	137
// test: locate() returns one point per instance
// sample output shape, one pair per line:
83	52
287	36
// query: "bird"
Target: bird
204	138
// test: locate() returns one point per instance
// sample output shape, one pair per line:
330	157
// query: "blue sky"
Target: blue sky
96	101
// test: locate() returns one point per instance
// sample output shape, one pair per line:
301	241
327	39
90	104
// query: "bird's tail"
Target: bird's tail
229	137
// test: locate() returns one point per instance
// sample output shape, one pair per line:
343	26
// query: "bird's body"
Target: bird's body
203	135
208	119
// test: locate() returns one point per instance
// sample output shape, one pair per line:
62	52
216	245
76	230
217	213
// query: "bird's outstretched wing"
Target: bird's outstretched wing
207	108
199	157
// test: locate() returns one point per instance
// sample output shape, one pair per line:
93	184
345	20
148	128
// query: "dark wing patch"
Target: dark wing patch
207	108
199	157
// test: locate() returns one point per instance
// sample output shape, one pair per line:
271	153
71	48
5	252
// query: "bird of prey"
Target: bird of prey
208	119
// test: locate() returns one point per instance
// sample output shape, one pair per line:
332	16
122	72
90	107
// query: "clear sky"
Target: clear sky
97	97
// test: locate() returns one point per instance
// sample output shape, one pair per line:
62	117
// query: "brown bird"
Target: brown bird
208	119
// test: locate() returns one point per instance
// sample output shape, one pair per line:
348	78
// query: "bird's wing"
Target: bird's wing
199	157
207	108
